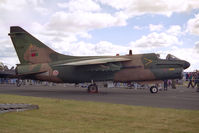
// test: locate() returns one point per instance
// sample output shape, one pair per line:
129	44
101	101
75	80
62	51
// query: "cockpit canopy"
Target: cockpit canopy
171	57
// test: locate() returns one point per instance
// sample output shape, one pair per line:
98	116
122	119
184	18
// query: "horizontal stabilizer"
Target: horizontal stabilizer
31	73
7	73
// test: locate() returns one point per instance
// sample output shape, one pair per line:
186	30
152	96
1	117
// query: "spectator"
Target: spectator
190	81
165	85
187	76
197	81
169	83
173	85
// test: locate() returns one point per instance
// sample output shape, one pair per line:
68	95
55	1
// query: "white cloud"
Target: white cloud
12	5
82	21
175	30
84	16
117	4
136	27
7	49
85	35
21	12
8	55
107	48
158	27
42	10
156	40
193	25
88	49
9	61
65	41
164	7
196	47
18	5
3	29
80	5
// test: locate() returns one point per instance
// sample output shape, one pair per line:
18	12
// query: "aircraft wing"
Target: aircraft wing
94	61
101	64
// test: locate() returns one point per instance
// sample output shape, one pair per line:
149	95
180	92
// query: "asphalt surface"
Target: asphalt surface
180	98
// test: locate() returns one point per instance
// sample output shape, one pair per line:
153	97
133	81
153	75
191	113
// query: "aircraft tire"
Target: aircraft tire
93	88
154	89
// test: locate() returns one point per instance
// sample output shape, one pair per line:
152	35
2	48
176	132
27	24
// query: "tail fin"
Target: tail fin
30	50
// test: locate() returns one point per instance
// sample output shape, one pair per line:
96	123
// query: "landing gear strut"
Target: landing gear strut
92	88
19	82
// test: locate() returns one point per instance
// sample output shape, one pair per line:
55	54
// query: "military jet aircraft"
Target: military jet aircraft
38	61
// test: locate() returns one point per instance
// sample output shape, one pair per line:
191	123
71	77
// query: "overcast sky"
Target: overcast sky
105	27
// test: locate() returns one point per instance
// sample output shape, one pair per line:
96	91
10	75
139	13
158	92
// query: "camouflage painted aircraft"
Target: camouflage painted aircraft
38	61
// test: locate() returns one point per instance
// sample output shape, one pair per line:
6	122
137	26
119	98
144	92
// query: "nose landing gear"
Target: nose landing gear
154	89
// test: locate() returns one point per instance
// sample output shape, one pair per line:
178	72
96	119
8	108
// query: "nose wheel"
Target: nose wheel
154	89
92	88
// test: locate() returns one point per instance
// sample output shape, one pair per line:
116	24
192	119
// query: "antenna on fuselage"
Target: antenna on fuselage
130	52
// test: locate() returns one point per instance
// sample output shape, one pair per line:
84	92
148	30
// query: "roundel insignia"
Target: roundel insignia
55	72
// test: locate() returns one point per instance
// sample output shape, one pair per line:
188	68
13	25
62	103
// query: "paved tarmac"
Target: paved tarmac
180	98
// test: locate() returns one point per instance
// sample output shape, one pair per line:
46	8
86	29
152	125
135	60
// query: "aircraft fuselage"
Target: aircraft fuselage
141	67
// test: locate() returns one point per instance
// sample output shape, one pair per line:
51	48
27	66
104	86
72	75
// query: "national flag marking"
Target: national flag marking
34	54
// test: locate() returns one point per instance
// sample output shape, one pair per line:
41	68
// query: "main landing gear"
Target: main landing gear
92	88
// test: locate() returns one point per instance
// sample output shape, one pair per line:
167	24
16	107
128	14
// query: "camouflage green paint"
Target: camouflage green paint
19	47
27	69
25	44
52	66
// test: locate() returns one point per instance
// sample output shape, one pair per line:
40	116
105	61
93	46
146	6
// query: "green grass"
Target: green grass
67	116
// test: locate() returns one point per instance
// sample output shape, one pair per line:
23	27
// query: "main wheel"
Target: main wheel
154	89
93	88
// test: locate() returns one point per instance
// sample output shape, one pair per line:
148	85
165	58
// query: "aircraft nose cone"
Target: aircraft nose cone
186	65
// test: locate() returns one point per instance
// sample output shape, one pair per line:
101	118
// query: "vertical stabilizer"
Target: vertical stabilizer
30	50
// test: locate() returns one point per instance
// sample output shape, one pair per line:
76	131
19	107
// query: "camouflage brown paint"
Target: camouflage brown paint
134	70
43	54
40	62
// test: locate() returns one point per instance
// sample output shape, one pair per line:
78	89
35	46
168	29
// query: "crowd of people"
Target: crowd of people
193	78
